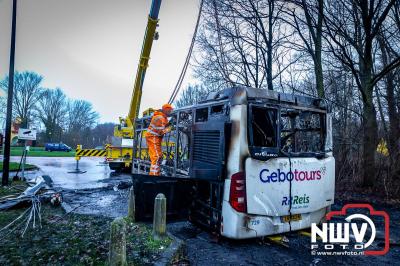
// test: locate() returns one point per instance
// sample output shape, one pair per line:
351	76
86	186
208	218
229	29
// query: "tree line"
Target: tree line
346	51
57	118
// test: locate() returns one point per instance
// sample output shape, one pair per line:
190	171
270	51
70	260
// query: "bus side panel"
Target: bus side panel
208	150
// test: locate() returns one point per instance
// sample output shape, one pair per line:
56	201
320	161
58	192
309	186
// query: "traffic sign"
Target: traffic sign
26	134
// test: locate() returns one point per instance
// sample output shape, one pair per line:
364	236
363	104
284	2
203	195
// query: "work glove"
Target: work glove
167	130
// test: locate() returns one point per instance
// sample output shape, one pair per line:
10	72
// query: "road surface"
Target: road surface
58	169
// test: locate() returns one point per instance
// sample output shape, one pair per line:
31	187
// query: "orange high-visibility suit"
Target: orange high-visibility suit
154	135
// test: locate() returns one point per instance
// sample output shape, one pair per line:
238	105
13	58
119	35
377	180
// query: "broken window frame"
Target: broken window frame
261	152
265	153
294	129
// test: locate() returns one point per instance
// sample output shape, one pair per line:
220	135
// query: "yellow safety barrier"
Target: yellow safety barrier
87	153
90	153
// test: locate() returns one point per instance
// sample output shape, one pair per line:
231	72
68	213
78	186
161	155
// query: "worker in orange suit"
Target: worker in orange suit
157	129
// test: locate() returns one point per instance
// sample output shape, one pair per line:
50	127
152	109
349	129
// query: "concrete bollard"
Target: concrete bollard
117	256
131	204
159	219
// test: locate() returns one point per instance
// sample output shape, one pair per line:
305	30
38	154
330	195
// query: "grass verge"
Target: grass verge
14	166
71	239
40	152
142	249
15	187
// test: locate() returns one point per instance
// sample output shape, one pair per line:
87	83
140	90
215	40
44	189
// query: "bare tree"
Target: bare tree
27	92
239	43
3	109
354	50
388	93
52	111
192	95
352	28
307	18
80	115
101	134
81	118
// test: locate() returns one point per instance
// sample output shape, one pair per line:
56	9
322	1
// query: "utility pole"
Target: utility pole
7	142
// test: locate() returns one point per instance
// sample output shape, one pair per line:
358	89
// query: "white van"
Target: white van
260	162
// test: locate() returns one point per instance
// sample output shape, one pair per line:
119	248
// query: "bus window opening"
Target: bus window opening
301	131
263	124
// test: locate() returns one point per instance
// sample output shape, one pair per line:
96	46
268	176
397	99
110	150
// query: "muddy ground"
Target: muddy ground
101	193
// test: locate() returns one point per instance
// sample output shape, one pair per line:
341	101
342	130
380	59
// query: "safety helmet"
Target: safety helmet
167	106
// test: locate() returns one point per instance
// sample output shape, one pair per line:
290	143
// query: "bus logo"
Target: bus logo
267	176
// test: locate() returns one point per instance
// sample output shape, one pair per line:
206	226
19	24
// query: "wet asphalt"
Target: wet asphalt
96	191
59	168
100	191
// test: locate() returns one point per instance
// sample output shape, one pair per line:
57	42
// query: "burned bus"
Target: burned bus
244	162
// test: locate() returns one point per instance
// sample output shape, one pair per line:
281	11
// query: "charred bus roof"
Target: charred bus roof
244	95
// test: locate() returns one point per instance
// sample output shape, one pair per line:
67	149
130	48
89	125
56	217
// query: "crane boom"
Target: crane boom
144	60
119	153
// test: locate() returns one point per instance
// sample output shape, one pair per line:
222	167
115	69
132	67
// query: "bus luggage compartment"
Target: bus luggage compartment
176	190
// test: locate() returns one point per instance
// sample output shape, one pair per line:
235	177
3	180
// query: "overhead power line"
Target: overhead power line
187	60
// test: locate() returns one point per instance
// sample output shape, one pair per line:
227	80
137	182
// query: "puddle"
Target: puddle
106	201
58	167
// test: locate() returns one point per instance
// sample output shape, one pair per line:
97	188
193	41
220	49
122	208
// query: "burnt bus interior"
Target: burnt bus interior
195	150
299	132
194	158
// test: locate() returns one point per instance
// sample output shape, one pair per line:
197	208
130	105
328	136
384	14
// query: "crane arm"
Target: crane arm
149	36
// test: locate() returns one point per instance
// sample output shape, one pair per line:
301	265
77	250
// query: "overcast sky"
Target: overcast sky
91	48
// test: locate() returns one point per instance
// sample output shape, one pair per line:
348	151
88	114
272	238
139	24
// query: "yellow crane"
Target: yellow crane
119	153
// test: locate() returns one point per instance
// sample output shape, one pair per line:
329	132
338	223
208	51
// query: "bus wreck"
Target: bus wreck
244	163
